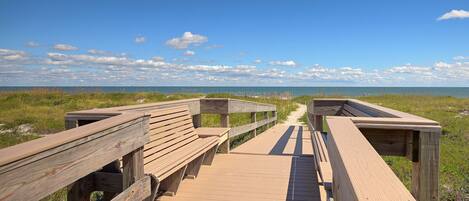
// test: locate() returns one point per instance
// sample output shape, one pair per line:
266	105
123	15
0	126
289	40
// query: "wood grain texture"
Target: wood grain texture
138	191
359	173
62	165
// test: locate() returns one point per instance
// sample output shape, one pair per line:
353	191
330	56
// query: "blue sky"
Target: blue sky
235	43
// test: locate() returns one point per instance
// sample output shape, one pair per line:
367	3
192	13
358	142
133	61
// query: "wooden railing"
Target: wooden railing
221	106
35	169
358	132
103	151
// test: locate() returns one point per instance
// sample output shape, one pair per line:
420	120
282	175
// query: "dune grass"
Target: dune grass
44	111
452	113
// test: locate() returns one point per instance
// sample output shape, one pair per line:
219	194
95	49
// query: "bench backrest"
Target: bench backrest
170	129
350	111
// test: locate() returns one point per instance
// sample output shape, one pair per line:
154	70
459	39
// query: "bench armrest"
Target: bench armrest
204	132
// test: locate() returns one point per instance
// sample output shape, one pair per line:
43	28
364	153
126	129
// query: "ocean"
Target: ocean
262	91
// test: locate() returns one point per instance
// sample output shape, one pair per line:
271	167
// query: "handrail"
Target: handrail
35	169
222	106
359	172
358	131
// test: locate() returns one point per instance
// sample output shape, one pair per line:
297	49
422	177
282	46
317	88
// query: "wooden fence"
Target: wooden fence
357	133
103	151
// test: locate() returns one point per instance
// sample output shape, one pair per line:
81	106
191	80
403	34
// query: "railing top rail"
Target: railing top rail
23	150
194	105
363	173
328	107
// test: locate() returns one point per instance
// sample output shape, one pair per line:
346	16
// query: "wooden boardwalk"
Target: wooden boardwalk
276	165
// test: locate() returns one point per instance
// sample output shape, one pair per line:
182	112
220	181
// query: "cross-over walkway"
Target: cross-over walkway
276	165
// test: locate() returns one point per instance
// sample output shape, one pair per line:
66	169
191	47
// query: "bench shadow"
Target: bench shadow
282	142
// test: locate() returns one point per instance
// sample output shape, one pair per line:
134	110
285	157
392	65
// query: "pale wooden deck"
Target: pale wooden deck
276	165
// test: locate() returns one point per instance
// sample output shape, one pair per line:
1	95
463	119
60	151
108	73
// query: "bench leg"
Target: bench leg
208	159
170	185
225	147
194	167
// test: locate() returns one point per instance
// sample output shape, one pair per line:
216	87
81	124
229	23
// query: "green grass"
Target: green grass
454	142
45	109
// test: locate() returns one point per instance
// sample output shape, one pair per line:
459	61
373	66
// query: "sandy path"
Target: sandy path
295	115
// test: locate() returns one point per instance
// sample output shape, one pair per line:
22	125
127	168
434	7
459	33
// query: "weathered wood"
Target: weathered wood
253	121
241	106
80	190
70	123
108	182
250	127
318	123
67	157
426	170
386	141
197	120
170	185
214	106
132	167
138	191
224	120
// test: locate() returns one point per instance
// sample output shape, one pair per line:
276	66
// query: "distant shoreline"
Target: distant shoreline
461	92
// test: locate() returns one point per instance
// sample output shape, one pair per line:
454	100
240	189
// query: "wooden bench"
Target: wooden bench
322	161
350	111
175	151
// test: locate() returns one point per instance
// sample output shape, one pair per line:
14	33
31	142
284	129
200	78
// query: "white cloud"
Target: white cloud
461	58
98	52
157	58
95	69
65	47
140	39
257	61
454	14
186	40
12	55
32	44
189	53
289	63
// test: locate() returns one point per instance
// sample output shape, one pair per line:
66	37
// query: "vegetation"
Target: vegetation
453	115
44	110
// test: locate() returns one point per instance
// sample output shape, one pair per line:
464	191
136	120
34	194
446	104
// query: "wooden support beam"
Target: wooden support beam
193	167
170	185
266	116
318	124
132	167
208	159
225	120
274	115
107	180
197	120
81	190
425	171
225	147
253	120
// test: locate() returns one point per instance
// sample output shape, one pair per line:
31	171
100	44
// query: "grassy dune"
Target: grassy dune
44	110
453	115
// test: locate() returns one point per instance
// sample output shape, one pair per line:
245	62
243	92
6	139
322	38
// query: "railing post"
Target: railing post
225	122
274	115
266	116
197	120
318	123
425	170
253	120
